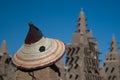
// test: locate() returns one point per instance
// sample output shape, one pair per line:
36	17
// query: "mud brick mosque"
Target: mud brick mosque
82	57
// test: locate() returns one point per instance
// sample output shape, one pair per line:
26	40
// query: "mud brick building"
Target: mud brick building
5	61
111	66
82	58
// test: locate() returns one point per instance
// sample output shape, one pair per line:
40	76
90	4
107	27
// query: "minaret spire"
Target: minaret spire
81	27
4	47
81	35
113	45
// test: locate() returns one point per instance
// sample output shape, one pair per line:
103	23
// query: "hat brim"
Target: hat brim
29	56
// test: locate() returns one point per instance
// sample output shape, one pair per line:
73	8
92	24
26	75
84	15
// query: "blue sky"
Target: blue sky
58	19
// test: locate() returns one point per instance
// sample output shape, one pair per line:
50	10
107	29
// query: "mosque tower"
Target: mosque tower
82	62
4	60
111	66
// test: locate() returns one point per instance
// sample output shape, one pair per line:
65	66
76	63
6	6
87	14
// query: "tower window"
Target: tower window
89	70
76	59
76	66
67	59
7	61
113	58
78	24
69	50
104	64
110	55
76	77
78	30
106	58
114	77
5	53
106	69
71	66
70	76
73	51
109	77
96	71
0	57
71	60
69	70
77	50
112	69
79	19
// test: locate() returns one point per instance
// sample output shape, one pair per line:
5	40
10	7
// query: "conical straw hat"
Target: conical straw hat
38	51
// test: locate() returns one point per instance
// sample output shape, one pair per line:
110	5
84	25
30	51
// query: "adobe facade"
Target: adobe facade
111	66
82	60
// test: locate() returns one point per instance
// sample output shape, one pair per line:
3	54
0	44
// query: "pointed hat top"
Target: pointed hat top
33	35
